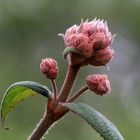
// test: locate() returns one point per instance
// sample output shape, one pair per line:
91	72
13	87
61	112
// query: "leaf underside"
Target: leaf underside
17	93
99	122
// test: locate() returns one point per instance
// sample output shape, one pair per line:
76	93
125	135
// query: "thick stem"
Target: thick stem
48	119
41	128
78	94
68	83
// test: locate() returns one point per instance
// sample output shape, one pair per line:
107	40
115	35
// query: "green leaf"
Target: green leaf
17	93
99	122
69	50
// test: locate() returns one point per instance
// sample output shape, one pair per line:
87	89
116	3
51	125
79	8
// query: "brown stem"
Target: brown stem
68	83
54	112
41	128
54	86
80	92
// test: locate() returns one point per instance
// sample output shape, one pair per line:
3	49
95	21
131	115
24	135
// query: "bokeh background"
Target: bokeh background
28	33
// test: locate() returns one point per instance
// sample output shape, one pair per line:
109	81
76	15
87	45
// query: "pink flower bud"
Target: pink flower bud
89	37
101	57
81	43
49	67
98	84
85	36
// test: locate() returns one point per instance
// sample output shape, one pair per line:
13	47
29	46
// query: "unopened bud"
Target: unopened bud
88	38
98	84
49	67
101	57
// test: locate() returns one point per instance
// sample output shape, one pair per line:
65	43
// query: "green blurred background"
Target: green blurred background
28	33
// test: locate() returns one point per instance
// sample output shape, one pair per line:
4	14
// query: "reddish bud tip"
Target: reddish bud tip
98	84
49	67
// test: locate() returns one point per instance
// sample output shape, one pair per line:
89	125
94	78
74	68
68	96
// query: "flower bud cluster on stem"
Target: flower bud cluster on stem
92	43
92	40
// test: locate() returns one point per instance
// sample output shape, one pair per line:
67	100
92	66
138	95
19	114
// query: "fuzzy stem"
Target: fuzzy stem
41	127
47	119
54	86
78	94
68	83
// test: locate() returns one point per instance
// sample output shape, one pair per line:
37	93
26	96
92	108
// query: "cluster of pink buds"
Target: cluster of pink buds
92	40
92	43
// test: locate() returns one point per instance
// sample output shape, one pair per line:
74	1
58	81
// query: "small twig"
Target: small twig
80	92
55	89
